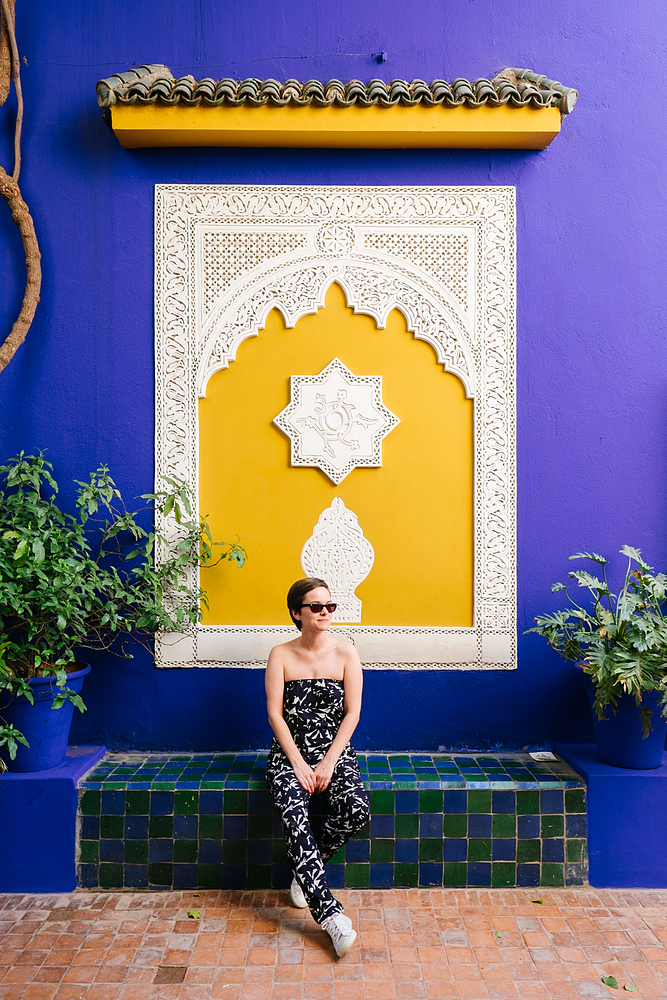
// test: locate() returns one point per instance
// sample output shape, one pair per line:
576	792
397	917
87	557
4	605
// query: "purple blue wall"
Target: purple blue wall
592	379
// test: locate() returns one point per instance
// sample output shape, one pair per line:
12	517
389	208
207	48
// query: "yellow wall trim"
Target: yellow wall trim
397	127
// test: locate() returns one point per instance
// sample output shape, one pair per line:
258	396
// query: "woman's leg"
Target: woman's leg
348	804
291	799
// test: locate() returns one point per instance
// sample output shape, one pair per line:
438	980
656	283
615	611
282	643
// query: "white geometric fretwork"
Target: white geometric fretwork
336	420
338	552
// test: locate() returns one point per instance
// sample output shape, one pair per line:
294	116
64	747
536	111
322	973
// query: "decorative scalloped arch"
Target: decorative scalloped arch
299	288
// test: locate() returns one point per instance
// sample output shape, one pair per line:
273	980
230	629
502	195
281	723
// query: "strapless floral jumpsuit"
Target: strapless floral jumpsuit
313	710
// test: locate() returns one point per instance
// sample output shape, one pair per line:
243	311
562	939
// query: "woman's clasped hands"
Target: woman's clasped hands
314	780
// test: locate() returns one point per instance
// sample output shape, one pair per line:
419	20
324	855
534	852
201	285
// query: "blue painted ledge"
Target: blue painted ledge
627	820
38	824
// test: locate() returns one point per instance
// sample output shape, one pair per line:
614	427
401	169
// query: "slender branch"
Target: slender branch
10	192
16	77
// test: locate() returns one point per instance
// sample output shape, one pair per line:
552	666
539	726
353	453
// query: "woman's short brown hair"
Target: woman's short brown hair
298	591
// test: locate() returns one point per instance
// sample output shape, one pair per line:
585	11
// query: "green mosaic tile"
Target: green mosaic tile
90	852
115	786
186	851
382	850
382	801
259	828
364	833
479	801
552	874
575	800
357	876
234	852
503	825
210	827
235	802
279	852
186	803
136	852
89	804
527	803
163	786
479	849
406	875
456	825
430	800
406	826
161	827
160	873
503	873
111	875
528	850
338	858
259	877
137	803
430	849
112	827
552	826
209	876
218	785
575	850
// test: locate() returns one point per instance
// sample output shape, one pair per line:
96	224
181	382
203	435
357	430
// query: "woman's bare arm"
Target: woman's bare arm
353	680
275	687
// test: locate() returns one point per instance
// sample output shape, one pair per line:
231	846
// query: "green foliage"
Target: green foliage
620	639
92	579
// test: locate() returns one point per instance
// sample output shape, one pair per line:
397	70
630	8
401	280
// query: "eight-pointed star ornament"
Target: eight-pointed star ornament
336	420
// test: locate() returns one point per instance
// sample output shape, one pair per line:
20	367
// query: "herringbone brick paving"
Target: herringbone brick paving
464	944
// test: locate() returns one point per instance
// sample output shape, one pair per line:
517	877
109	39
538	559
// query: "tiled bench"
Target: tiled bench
163	821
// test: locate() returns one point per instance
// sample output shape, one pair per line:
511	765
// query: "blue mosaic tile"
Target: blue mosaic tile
455	849
479	873
528	827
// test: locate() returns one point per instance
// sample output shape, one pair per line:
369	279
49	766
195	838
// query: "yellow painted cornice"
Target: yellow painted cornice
395	127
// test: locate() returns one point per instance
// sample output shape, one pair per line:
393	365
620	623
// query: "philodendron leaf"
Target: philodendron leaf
194	914
499	934
630	988
610	981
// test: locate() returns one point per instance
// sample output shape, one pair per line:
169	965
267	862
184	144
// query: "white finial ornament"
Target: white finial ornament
339	553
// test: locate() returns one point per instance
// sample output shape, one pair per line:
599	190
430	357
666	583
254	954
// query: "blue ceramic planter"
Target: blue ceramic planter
46	729
619	735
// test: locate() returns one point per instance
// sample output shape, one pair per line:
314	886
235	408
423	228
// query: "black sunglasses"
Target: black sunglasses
316	607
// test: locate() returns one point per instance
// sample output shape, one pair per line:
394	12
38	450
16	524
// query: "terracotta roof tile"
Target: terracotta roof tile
517	87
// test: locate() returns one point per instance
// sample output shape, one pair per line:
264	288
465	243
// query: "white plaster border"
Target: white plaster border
371	241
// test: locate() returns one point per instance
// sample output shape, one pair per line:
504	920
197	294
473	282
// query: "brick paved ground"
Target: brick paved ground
460	943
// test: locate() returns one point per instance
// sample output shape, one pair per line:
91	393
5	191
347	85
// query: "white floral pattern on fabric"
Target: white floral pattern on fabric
313	710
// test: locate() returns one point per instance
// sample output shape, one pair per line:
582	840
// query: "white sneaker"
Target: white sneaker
296	895
339	929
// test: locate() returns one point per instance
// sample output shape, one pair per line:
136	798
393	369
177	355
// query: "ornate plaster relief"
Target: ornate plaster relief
443	256
336	420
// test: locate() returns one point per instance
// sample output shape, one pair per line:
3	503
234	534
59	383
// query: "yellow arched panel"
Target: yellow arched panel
416	511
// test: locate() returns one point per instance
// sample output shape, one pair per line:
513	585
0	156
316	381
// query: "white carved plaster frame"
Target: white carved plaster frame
338	229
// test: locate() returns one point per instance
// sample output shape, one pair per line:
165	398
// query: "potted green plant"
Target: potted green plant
620	642
89	580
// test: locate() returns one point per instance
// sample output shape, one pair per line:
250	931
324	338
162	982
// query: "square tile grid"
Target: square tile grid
180	821
459	944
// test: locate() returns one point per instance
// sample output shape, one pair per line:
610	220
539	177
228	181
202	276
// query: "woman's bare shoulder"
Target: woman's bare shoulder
347	651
